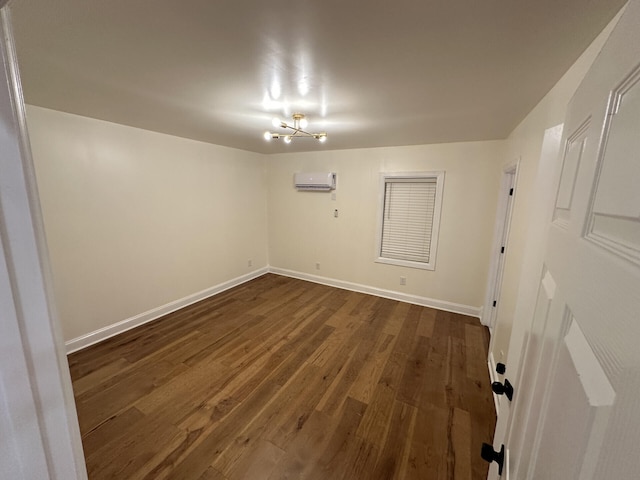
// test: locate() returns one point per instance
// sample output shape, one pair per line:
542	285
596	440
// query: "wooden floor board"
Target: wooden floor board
391	462
284	379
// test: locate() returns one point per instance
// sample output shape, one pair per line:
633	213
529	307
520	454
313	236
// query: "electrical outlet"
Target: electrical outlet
317	265
403	280
249	263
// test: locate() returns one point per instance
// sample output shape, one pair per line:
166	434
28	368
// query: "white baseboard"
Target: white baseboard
96	336
402	297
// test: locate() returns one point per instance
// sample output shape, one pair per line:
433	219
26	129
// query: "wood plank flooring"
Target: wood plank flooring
285	379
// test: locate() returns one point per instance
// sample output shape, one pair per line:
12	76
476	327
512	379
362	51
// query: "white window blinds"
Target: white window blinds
408	219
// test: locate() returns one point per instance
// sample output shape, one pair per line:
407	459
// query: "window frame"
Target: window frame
386	177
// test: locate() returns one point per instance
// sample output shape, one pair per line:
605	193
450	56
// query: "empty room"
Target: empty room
320	240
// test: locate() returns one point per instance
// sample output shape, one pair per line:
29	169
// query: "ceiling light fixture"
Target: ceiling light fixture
299	123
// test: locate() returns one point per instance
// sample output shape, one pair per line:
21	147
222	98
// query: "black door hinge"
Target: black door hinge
505	389
490	455
502	250
510	191
494	302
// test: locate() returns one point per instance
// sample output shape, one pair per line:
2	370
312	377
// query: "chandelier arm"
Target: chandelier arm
299	130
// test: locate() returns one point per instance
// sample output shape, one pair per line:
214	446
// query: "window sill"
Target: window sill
406	263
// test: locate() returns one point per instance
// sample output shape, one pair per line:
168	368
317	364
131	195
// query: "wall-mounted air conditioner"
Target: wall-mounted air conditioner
315	181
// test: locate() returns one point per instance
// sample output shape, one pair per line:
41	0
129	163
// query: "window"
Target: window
409	218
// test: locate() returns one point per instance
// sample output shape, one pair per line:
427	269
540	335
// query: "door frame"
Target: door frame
501	230
38	411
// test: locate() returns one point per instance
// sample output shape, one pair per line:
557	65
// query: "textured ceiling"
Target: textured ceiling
370	73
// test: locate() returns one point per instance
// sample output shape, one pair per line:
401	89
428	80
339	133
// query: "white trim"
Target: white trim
506	467
109	331
96	336
500	237
493	375
379	292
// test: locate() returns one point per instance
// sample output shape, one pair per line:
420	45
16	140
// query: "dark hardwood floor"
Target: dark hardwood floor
284	379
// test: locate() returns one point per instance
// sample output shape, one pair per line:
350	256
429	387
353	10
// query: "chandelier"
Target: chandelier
299	123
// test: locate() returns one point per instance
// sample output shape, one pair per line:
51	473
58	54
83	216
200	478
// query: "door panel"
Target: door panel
578	415
614	219
570	163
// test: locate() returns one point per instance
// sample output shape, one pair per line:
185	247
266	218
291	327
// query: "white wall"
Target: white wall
525	143
303	230
136	219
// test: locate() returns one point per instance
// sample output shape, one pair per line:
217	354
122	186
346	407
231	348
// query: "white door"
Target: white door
575	413
39	435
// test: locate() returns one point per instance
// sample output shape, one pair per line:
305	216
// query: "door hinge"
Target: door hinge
510	191
502	250
495	302
490	455
505	389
